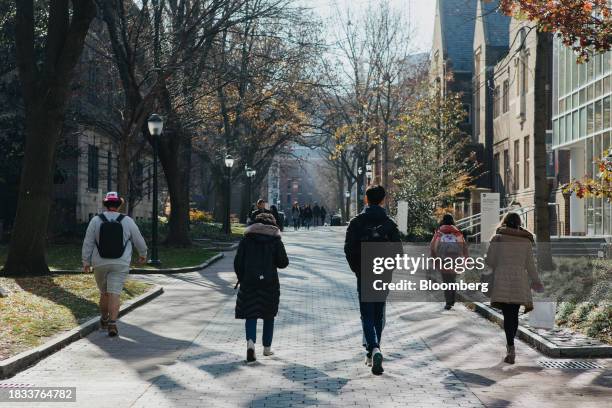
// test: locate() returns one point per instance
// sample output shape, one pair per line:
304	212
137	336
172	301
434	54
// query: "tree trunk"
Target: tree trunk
46	89
27	252
541	124
245	204
219	209
175	158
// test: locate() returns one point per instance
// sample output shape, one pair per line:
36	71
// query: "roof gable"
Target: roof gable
457	20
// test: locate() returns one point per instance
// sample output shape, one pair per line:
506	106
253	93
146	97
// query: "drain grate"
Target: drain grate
569	364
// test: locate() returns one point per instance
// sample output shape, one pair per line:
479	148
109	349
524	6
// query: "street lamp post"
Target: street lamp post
250	173
359	189
347	208
229	162
156	126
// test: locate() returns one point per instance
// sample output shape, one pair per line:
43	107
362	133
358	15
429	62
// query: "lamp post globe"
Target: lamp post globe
156	124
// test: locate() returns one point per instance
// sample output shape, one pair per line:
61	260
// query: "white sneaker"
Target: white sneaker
268	351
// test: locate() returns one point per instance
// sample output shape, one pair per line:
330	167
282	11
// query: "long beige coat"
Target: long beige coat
510	254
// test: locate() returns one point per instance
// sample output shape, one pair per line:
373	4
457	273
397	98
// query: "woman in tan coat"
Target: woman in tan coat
510	255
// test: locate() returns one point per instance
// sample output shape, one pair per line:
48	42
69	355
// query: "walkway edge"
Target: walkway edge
539	342
21	361
142	271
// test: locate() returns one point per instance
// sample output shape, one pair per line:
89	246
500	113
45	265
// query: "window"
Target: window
137	179
477	84
590	123
496	102
496	172
606	113
109	171
517	162
506	96
526	162
506	170
149	181
92	167
468	113
598	116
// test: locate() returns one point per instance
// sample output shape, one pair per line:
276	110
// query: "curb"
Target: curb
21	361
539	342
143	271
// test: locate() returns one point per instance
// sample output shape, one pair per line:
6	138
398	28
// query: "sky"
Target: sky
419	13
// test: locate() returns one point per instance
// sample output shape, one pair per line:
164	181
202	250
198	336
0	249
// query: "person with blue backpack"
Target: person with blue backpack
371	225
107	249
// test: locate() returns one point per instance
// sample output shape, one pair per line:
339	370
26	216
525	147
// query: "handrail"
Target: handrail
475	220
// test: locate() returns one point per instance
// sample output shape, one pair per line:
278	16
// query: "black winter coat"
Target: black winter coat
372	216
260	253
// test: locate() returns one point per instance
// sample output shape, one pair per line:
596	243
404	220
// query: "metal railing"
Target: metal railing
472	225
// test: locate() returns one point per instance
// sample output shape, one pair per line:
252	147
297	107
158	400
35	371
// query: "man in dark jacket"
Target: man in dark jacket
316	213
259	254
372	225
261	209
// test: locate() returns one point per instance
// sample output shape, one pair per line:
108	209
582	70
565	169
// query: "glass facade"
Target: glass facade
582	97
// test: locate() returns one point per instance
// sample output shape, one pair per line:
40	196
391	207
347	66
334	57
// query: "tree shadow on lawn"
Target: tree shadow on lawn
45	287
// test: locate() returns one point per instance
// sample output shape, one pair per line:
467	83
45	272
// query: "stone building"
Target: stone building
451	70
451	54
514	112
490	46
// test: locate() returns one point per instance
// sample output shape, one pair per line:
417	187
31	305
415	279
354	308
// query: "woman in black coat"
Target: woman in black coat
260	253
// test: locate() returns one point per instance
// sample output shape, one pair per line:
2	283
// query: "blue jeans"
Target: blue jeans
250	326
372	322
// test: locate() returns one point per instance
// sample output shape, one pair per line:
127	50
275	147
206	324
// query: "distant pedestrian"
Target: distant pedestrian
260	253
308	216
295	216
107	248
323	215
316	214
510	255
448	242
277	217
372	225
303	216
260	209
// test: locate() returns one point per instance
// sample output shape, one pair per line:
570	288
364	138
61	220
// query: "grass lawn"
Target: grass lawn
40	307
69	256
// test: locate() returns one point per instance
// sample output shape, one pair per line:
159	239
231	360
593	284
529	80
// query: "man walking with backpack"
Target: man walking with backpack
107	248
372	225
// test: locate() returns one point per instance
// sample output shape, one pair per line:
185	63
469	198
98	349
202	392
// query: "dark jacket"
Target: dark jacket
372	216
258	211
260	253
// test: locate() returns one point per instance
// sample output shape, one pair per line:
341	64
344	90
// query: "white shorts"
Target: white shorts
110	278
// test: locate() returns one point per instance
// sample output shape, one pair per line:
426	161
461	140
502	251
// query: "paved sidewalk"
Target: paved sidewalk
185	349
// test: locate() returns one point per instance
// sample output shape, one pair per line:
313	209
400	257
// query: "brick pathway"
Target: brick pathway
185	349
